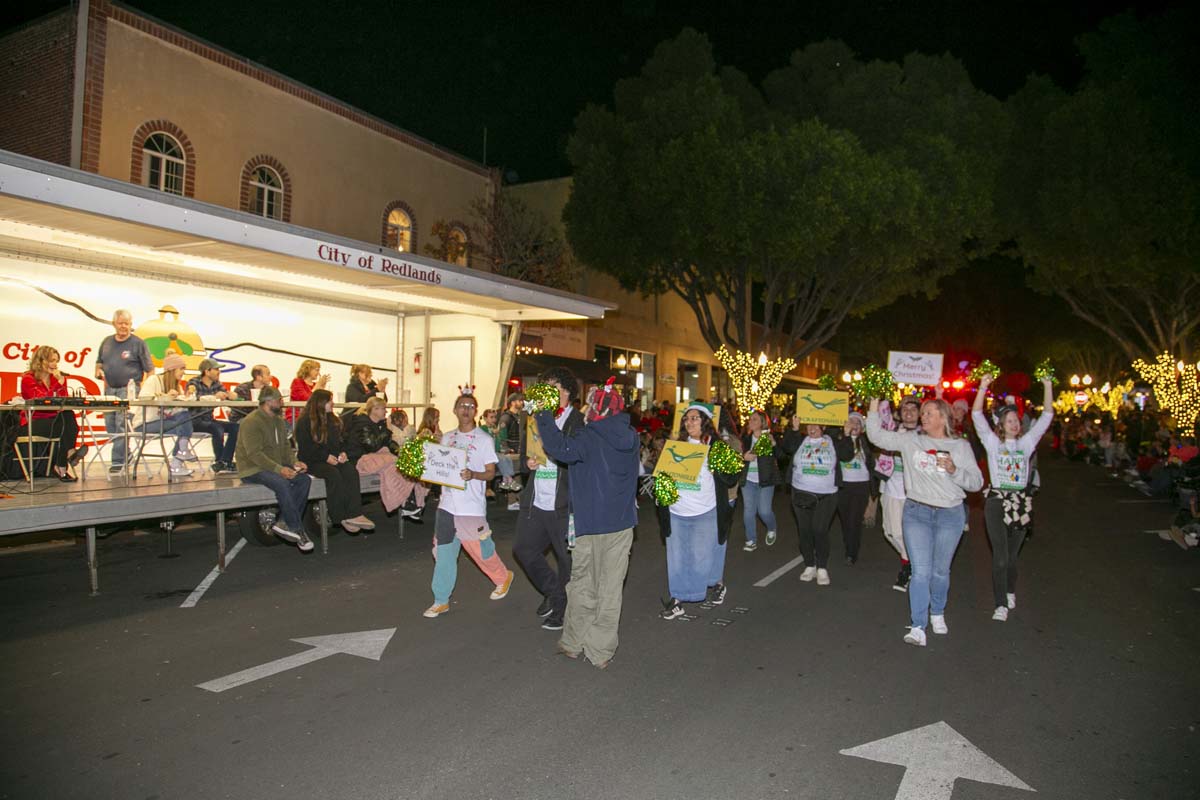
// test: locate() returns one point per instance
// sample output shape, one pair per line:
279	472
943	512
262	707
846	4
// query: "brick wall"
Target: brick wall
37	64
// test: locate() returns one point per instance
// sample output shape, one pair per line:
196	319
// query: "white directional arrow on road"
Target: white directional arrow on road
366	644
933	757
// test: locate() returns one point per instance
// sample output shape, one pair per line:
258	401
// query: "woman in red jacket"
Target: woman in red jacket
308	378
44	380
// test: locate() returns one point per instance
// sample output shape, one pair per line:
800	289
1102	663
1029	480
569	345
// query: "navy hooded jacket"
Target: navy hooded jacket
603	460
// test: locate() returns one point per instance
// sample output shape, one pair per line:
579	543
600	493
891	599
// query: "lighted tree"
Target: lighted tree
753	379
1109	399
1175	387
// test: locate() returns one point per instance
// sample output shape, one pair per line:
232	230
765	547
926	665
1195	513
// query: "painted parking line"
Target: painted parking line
779	573
199	591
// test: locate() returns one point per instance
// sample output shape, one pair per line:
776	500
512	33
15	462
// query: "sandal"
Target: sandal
67	477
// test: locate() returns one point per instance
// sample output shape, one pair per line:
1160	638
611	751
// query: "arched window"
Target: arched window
458	246
398	235
163	164
266	193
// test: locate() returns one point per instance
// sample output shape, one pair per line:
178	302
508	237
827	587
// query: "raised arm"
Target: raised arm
1039	428
888	440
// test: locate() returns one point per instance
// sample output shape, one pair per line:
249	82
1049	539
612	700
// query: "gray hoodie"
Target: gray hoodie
922	481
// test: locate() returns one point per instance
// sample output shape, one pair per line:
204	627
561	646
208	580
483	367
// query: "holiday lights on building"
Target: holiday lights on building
753	379
1175	387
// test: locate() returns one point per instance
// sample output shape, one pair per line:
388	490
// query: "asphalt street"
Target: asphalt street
1088	691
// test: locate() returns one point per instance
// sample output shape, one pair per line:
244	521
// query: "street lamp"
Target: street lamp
635	361
1087	380
621	361
762	359
847	377
1074	380
857	375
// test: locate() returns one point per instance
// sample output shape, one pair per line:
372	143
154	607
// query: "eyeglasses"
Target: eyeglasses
467	405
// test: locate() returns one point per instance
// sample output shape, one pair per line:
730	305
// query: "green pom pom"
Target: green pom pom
543	396
724	459
1044	370
986	367
765	446
876	382
411	461
665	490
827	382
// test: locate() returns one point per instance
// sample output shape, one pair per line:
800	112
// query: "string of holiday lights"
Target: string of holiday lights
753	379
1109	399
1175	387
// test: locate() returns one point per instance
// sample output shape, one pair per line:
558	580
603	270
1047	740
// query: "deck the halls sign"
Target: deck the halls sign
348	257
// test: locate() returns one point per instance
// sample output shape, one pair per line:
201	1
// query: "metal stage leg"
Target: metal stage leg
221	541
323	521
93	570
400	522
168	525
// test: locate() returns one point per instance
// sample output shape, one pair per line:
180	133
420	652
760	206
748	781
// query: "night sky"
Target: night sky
447	70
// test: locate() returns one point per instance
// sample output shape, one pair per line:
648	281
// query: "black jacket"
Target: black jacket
355	393
722	483
364	436
562	496
769	473
311	451
843	448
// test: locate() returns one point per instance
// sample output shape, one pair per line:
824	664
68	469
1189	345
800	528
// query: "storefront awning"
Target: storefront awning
50	212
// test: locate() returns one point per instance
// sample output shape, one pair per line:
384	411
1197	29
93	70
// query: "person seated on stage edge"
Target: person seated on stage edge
373	450
260	376
121	359
361	387
44	380
265	457
223	432
308	379
401	429
174	421
322	445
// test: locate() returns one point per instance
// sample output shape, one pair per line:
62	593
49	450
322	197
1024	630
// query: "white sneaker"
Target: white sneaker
185	452
514	506
938	623
808	574
1012	600
770	538
915	636
178	470
1000	614
822	577
750	547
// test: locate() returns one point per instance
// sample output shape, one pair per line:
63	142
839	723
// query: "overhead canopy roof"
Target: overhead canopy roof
50	212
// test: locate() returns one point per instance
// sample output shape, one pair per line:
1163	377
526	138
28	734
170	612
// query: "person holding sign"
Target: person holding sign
939	469
1008	506
759	480
815	483
462	513
855	490
696	526
545	507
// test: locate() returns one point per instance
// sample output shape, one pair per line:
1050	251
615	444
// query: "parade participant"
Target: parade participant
462	514
45	380
602	458
320	440
260	376
362	387
175	421
1008	506
815	482
545	511
697	525
223	432
372	449
759	480
855	491
308	378
939	469
510	430
265	457
122	359
889	466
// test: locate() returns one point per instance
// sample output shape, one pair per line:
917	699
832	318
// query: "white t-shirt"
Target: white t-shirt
696	498
481	451
545	477
813	466
752	466
1008	461
855	470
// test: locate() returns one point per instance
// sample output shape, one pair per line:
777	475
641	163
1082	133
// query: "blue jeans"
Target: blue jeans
114	422
178	424
224	437
691	548
931	536
291	494
756	505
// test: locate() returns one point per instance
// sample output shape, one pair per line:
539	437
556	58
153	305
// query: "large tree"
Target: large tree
834	194
1101	193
